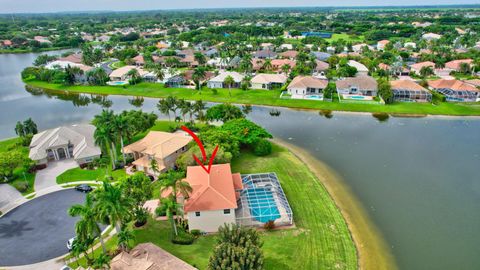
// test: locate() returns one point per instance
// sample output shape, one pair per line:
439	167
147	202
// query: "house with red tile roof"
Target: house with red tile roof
213	199
291	54
455	90
456	65
415	68
381	44
277	64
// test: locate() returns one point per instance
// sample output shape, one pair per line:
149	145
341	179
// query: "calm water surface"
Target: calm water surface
417	177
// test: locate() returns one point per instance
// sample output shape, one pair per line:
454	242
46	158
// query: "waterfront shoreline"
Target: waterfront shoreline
372	250
264	98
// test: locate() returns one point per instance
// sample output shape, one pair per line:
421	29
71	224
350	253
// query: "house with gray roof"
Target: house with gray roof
65	142
361	85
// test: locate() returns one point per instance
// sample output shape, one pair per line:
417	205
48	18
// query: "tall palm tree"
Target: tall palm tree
175	183
87	226
286	69
157	69
229	81
198	108
172	104
102	137
164	107
112	206
267	65
198	75
125	236
134	75
120	124
170	206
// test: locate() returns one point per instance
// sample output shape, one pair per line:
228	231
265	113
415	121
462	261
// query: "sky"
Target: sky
40	6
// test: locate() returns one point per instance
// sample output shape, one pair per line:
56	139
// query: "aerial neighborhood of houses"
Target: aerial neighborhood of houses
209	169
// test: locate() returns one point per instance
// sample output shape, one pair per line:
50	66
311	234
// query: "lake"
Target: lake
417	177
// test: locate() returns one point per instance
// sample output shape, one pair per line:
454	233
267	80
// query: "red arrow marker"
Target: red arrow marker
202	149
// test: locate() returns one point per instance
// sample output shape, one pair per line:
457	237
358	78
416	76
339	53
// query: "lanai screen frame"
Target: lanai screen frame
271	182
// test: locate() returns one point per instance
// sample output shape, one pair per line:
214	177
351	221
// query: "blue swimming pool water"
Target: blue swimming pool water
262	204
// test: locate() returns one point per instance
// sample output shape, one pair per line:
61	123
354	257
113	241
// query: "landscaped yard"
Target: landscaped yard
262	97
78	174
321	239
20	175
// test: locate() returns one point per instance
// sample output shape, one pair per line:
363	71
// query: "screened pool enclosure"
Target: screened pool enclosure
262	199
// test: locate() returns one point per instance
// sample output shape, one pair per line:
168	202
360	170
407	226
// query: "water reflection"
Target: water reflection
136	101
77	99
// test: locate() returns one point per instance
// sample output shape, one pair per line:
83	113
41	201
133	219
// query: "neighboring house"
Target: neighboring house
189	73
321	68
277	64
357	86
268	81
139	60
265	54
42	39
456	65
148	256
358	48
307	87
406	90
121	74
455	90
289	54
164	147
176	81
384	66
411	45
322	56
362	70
80	77
381	44
286	46
64	142
74	58
222	197
416	68
217	81
431	36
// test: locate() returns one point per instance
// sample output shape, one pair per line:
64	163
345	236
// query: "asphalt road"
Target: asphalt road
39	229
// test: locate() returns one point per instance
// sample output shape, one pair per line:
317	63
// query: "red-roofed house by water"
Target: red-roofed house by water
455	90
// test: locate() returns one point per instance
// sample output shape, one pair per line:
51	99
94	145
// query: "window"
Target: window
226	211
197	214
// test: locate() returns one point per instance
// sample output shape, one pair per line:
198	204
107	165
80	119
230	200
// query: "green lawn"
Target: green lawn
346	37
19	174
262	97
78	174
321	239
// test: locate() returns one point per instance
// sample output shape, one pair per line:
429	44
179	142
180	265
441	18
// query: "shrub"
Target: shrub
21	186
214	91
196	233
269	225
262	148
183	238
141	216
160	211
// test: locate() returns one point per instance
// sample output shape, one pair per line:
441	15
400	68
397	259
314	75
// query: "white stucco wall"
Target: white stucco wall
209	221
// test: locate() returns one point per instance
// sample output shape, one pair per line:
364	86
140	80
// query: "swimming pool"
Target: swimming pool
262	204
118	83
314	97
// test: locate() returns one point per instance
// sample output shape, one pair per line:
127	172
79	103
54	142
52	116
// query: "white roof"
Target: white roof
81	136
64	64
359	66
237	77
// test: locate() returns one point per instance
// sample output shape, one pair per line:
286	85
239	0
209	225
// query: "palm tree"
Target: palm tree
112	206
200	58
172	104
198	75
102	137
20	129
164	107
198	108
125	236
170	206
87	226
102	261
174	181
157	69
285	69
30	127
120	125
267	65
134	75
229	81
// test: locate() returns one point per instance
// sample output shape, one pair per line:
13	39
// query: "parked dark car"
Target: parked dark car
84	188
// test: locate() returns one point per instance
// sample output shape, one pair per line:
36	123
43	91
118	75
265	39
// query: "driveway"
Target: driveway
8	194
48	177
39	229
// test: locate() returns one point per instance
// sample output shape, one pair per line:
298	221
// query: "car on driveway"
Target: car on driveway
70	243
84	188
